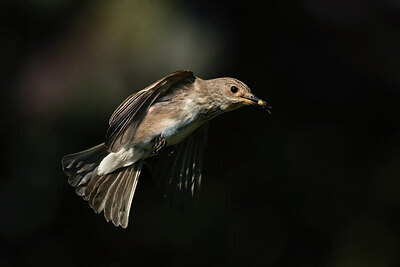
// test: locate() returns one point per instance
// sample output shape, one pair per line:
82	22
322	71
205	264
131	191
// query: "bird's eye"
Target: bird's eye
234	89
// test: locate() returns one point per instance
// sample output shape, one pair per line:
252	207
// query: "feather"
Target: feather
79	166
179	173
111	193
105	195
126	118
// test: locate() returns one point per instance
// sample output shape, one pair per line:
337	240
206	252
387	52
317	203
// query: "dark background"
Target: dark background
315	184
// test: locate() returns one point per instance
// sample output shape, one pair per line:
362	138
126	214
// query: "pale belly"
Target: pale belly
177	133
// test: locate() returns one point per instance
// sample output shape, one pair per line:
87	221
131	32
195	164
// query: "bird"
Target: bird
165	126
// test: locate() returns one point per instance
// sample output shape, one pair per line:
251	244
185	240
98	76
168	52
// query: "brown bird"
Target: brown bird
170	113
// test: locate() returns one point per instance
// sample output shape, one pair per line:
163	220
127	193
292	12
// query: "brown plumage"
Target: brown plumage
171	112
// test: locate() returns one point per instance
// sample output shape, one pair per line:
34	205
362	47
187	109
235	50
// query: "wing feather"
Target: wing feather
126	118
179	173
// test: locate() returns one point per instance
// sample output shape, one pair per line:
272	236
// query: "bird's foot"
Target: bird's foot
159	145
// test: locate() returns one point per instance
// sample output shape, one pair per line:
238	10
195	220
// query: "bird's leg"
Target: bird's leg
159	144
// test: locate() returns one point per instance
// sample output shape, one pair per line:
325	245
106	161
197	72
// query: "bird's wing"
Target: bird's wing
179	171
126	118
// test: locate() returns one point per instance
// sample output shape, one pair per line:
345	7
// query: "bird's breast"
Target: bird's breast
184	122
180	131
173	121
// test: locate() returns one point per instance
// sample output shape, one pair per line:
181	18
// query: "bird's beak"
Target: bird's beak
255	101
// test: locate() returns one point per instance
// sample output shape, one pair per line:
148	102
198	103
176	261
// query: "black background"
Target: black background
315	184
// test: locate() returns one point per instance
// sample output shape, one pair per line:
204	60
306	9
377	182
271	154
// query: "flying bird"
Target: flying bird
163	124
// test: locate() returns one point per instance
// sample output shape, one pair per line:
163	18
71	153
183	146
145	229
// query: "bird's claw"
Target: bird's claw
159	144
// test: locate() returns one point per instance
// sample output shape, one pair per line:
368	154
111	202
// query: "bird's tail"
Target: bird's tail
111	192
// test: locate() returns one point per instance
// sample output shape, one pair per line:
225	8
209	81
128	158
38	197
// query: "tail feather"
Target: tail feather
111	193
78	165
117	203
96	196
128	192
112	196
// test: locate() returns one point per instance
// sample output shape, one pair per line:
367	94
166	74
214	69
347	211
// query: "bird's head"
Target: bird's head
230	94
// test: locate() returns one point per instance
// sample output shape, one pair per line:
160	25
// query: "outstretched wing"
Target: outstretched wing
126	118
179	171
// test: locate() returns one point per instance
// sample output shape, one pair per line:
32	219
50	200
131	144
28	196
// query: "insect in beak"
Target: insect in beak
255	101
